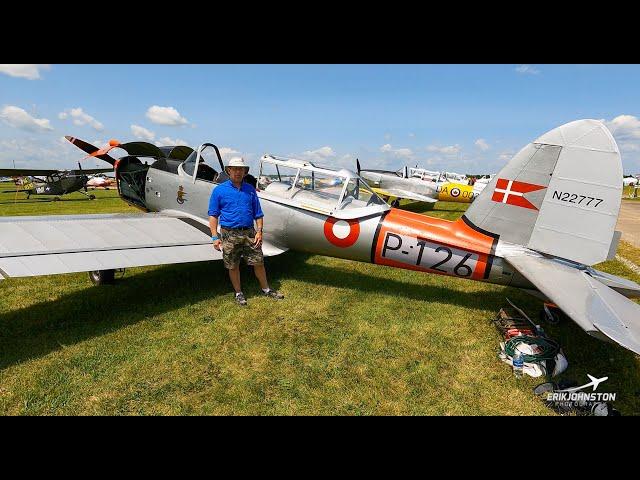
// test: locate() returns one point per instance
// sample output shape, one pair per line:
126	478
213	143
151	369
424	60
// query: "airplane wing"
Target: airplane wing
95	170
46	245
394	192
30	172
598	309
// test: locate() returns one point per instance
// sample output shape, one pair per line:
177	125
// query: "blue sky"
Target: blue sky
464	118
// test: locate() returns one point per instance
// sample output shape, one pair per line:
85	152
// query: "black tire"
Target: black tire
56	199
92	197
102	277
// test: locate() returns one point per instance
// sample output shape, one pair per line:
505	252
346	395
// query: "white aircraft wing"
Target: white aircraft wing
32	246
598	309
396	192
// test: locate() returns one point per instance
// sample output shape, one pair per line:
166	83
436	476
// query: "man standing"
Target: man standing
235	205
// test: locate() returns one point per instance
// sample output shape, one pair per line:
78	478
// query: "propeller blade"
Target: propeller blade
358	165
92	150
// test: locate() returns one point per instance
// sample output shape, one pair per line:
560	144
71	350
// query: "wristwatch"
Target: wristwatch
214	238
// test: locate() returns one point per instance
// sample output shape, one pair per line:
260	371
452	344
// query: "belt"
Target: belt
241	228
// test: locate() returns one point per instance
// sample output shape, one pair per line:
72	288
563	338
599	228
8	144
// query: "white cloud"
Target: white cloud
165	141
624	127
398	152
81	118
482	144
30	71
505	156
319	154
447	150
227	151
18	118
527	70
165	116
412	135
37	151
142	133
626	131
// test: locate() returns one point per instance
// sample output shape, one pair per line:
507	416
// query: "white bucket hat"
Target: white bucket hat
237	162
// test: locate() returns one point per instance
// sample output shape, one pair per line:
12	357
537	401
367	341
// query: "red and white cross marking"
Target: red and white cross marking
512	192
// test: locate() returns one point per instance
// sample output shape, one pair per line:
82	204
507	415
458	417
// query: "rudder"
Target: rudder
559	195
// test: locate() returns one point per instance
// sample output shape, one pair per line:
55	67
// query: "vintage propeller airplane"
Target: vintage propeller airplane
53	182
539	225
407	183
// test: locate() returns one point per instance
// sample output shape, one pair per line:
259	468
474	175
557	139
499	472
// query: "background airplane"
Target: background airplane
539	225
417	185
53	182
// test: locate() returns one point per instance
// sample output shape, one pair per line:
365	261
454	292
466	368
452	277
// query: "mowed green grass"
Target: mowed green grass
349	339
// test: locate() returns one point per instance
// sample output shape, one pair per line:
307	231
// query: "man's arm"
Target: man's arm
258	217
258	239
213	225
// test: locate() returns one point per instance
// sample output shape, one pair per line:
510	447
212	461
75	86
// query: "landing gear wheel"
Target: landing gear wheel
92	197
395	203
56	199
550	315
102	277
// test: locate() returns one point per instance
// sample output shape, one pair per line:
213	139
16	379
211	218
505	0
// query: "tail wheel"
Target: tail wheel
92	197
102	277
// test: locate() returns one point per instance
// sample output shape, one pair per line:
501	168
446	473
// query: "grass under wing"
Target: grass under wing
350	339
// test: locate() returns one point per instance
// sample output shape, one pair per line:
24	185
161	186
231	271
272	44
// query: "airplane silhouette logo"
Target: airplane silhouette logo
593	383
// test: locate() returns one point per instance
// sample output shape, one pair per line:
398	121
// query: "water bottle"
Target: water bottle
518	364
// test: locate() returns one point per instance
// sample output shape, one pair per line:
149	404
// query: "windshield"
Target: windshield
207	163
359	195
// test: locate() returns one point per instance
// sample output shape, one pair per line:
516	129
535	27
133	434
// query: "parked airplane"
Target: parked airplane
53	182
415	184
539	225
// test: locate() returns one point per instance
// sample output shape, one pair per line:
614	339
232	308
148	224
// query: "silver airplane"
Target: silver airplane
399	184
539	225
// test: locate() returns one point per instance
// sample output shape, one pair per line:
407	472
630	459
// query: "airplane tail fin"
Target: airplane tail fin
559	195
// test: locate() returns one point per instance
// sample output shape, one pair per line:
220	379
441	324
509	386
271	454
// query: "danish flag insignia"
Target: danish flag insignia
512	192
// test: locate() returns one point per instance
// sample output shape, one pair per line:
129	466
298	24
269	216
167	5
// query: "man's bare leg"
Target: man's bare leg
234	275
261	275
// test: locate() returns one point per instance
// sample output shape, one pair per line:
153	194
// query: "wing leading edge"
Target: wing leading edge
599	310
33	246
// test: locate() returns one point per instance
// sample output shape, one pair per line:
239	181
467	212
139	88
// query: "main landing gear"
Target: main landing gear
551	314
105	277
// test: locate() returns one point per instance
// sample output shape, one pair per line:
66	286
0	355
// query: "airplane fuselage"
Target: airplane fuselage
394	238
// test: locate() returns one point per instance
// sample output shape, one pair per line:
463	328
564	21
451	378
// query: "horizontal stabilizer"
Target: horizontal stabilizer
598	309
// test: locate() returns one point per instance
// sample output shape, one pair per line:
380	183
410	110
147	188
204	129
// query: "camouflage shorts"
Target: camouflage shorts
238	244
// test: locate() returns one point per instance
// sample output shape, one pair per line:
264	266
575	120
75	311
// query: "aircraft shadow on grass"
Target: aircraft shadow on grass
45	327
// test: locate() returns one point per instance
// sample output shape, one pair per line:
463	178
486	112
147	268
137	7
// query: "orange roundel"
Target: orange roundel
350	239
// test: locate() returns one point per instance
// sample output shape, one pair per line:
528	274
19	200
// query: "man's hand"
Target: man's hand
258	239
217	244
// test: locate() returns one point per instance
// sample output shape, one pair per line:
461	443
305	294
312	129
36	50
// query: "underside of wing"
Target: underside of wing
598	309
32	246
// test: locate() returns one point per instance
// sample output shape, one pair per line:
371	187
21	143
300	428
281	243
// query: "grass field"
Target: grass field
349	338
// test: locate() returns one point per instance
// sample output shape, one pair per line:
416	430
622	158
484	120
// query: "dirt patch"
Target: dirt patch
629	222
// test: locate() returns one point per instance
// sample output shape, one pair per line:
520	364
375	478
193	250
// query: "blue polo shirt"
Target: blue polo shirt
235	208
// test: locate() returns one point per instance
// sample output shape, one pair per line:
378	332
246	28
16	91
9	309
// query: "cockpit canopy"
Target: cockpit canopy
339	193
